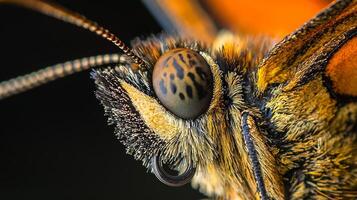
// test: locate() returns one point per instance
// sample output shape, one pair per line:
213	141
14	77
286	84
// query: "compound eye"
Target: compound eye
183	82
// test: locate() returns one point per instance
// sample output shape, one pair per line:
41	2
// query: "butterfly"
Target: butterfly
242	118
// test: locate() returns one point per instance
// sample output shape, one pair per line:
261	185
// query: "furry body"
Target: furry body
304	140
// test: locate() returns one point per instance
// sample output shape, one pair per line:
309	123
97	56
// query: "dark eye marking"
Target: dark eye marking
182	96
178	68
192	62
172	77
162	87
189	91
165	74
201	73
173	87
181	58
189	56
199	88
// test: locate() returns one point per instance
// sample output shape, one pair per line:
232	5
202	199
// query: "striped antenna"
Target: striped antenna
77	19
29	81
43	76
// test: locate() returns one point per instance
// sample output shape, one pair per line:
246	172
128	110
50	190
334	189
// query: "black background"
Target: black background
54	140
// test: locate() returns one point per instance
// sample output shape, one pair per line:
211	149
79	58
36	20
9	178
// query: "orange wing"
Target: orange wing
276	18
342	69
201	19
326	45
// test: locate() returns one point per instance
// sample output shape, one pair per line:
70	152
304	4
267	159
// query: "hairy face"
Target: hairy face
186	106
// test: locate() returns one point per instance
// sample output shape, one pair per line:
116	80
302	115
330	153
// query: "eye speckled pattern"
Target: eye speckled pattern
183	82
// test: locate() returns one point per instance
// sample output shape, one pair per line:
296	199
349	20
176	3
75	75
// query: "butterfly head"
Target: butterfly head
183	109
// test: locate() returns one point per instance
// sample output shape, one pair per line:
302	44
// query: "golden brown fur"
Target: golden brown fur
305	138
213	142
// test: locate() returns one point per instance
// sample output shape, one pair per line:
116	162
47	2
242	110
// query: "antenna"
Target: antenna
43	76
29	81
77	19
